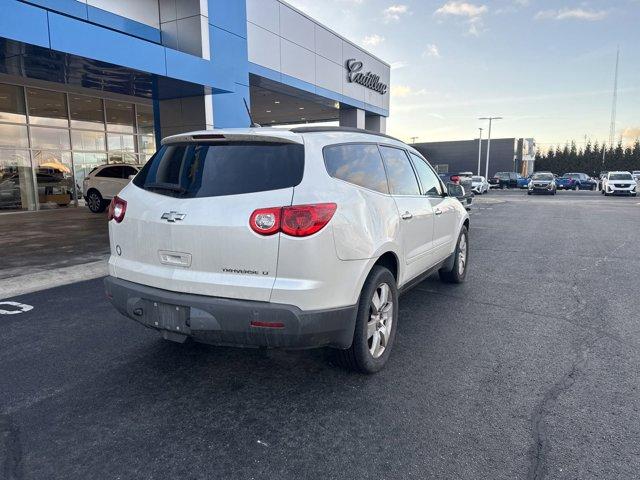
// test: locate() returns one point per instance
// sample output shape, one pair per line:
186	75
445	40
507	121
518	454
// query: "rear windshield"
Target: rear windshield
620	176
198	170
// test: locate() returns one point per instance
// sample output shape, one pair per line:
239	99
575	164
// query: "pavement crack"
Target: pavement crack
11	467
542	443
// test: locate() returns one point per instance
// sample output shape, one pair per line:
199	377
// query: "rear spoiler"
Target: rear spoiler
209	137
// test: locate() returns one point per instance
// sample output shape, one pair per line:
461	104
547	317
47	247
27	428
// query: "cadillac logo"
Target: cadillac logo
367	80
172	216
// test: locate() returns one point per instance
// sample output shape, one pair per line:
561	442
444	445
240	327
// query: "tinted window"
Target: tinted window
542	176
429	181
216	169
402	179
127	171
357	164
110	172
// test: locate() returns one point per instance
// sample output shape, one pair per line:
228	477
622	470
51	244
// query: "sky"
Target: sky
546	66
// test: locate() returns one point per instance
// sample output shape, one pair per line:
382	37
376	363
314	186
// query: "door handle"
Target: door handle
437	211
406	216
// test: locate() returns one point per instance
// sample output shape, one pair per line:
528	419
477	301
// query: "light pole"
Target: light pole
413	140
491	119
479	150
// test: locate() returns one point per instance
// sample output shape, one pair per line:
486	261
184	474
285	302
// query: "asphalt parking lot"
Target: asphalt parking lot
531	369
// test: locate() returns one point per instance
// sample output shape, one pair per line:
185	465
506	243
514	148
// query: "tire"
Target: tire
576	188
458	274
366	354
95	202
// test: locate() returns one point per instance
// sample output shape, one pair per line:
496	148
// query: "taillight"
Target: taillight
117	209
296	220
266	221
455	178
305	220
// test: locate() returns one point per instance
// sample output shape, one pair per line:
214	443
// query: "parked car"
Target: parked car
542	182
619	183
601	179
278	238
465	195
104	182
523	182
576	181
504	180
636	175
479	185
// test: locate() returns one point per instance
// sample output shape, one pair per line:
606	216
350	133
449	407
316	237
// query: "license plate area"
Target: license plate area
165	316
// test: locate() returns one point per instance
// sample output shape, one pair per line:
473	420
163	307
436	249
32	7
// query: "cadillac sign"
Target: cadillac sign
367	80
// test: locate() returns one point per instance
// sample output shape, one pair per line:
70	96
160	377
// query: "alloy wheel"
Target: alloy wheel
380	320
462	254
94	201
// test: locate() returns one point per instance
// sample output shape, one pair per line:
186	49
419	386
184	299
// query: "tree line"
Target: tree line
589	159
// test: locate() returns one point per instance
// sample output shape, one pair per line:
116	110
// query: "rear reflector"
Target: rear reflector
255	323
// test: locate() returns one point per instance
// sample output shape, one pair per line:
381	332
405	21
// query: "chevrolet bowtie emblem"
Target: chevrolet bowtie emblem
173	216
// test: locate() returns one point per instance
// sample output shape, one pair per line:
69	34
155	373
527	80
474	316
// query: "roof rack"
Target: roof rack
342	129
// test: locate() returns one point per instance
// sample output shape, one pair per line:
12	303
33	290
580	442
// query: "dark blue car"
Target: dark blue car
576	181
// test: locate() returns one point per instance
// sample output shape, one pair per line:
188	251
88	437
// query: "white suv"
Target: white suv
619	183
277	238
104	182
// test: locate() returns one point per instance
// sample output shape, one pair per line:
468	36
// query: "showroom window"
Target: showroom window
51	140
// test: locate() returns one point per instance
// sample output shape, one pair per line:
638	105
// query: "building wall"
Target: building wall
461	156
286	45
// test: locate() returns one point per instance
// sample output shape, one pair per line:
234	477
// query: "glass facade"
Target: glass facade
50	141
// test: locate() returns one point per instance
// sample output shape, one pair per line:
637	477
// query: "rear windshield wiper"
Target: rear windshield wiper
171	187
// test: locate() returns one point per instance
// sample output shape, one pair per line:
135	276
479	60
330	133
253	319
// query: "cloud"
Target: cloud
470	12
431	51
631	134
572	14
394	12
399	64
404	91
461	9
372	40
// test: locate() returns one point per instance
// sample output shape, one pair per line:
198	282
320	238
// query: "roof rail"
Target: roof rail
341	129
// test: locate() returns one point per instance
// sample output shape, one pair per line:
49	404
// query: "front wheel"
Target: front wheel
376	324
458	273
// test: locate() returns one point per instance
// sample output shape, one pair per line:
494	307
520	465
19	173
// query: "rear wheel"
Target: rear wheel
458	273
95	202
376	324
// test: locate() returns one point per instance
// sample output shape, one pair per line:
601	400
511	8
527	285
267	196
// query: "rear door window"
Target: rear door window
360	164
195	170
110	172
402	179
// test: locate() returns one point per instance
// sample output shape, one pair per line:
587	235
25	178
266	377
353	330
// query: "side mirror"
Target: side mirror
455	190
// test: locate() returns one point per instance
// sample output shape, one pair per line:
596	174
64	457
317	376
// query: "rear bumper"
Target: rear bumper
225	321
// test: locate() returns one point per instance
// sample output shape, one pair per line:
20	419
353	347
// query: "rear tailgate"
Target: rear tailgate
186	227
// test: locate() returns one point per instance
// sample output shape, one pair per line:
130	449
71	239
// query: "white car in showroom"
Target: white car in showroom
619	183
479	185
104	182
283	238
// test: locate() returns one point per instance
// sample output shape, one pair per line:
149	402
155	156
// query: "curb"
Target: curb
34	282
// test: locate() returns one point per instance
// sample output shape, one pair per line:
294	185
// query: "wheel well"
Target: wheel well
466	223
93	189
390	262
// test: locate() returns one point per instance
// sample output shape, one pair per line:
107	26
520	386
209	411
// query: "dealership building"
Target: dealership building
505	155
84	83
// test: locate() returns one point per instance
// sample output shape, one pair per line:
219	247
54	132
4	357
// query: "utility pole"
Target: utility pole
614	108
413	140
480	150
491	119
